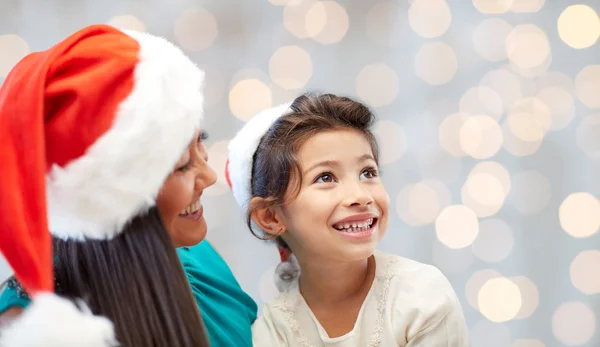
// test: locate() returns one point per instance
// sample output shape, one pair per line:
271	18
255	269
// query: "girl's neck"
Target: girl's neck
331	282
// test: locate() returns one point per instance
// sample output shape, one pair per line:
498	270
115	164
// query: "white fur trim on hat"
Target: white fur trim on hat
242	148
121	174
51	321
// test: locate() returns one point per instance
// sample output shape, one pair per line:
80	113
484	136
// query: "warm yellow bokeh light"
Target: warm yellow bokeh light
516	146
530	296
480	137
527	343
527	6
534	72
424	204
392	141
495	169
436	63
457	226
377	84
579	26
560	104
196	29
493	6
505	84
529	119
449	133
531	193
587	84
217	157
574	323
290	67
499	300
489	37
579	215
482	101
584	272
588	136
527	46
248	97
294	17
420	203
326	22
483	193
555	79
474	284
384	23
13	48
127	22
429	18
485	189
494	242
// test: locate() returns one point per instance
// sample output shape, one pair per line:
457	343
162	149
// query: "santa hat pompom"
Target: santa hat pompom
52	321
286	273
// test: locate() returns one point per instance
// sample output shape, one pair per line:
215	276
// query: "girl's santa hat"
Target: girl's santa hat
89	131
238	171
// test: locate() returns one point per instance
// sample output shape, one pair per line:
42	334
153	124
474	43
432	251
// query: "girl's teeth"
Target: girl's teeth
355	227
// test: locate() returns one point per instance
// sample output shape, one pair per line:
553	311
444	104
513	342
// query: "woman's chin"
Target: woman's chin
189	232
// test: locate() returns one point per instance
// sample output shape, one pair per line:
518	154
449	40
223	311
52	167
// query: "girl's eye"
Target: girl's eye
325	177
369	173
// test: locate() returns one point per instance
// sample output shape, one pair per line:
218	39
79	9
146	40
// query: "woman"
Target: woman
108	115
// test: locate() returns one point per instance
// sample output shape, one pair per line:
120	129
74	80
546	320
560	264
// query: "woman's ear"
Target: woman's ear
267	218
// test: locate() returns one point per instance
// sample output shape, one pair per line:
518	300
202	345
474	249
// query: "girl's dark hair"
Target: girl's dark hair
136	280
275	164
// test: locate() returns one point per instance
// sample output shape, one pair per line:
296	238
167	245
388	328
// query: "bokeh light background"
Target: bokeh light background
489	123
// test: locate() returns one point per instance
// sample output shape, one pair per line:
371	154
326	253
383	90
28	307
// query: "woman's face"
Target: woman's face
179	199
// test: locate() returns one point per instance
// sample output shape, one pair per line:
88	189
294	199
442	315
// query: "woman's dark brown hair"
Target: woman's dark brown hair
276	172
136	280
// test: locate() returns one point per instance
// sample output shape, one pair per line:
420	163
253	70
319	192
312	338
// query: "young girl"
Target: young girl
307	175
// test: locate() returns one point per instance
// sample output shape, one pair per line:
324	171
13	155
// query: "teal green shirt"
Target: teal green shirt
228	312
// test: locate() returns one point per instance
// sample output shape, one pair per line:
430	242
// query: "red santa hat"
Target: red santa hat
238	171
89	131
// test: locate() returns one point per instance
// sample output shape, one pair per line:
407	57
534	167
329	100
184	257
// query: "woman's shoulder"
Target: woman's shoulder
13	295
203	262
208	273
227	310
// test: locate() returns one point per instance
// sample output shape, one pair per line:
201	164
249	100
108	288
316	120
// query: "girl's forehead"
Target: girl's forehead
334	146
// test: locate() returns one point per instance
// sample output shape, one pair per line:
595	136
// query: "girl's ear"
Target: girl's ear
267	218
